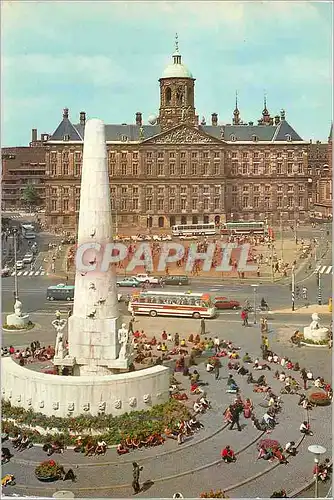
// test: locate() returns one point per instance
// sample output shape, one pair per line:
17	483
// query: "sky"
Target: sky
105	58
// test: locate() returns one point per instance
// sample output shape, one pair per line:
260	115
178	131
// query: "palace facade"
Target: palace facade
177	168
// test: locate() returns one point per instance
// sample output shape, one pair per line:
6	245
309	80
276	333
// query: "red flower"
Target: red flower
52	462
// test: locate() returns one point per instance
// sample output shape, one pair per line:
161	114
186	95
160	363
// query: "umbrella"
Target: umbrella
268	444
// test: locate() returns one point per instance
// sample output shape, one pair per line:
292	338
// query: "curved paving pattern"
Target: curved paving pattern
195	466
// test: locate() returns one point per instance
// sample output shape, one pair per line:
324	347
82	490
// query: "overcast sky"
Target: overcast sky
105	58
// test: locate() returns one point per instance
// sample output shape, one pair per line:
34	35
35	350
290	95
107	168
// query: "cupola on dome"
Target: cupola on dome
177	69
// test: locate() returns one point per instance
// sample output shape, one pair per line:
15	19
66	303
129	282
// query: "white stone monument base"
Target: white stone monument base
66	361
317	335
18	321
63	396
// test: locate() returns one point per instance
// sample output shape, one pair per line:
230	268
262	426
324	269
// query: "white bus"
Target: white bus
251	227
28	231
182	304
194	229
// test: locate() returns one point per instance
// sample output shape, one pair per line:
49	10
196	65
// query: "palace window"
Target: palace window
53	191
53	205
77	191
279	155
77	169
300	168
66	191
112	169
161	190
234	154
205	155
256	189
53	169
205	189
234	168
233	137
195	190
234	189
135	169
149	155
234	200
279	168
135	156
160	169
54	220
148	204
183	155
290	155
183	189
66	220
183	203
65	168
279	201
301	187
172	204
149	190
77	204
172	191
53	156
65	156
124	204
245	189
216	169
193	169
205	169
256	201
149	168
206	204
289	168
135	190
266	154
256	155
123	156
255	168
216	203
217	154
290	188
172	169
123	169
171	155
194	203
65	205
279	188
183	168
267	201
244	201
112	155
245	155
194	155
124	190
301	202
135	203
266	168
290	201
267	189
160	204
245	168
160	154
217	190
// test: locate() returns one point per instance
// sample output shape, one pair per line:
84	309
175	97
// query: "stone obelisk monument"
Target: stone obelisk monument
93	329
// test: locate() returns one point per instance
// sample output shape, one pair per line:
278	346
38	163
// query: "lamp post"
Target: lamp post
293	288
16	281
316	450
319	288
282	237
255	287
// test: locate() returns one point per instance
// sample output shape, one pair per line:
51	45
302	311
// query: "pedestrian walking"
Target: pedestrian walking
202	326
244	317
57	313
135	477
131	325
216	370
235	412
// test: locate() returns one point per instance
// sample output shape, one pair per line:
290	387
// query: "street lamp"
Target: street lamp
319	288
316	450
293	288
282	240
255	287
16	282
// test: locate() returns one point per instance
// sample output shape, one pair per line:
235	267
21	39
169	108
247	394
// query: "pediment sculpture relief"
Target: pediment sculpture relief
183	135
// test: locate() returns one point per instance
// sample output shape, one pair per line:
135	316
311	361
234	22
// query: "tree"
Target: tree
30	195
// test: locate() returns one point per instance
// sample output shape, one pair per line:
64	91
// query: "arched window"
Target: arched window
206	219
183	220
233	137
168	95
161	221
172	220
288	137
195	219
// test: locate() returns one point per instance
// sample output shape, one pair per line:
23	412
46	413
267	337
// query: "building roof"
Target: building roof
282	132
176	71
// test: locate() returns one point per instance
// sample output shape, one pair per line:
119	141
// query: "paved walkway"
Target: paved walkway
196	466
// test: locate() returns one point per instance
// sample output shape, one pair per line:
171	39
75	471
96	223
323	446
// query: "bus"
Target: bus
60	292
244	228
182	304
194	229
28	231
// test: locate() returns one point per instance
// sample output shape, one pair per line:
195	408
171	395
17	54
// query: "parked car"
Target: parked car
28	258
128	281
175	280
20	264
225	303
145	278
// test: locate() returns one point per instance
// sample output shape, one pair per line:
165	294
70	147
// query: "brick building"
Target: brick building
178	169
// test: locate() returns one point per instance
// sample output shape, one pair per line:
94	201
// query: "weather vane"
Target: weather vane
176	42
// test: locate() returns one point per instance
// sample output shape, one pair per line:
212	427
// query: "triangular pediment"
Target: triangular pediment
183	134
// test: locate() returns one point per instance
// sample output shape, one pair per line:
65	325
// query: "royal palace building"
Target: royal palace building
176	168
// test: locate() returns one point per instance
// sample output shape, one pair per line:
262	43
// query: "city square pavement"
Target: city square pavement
195	466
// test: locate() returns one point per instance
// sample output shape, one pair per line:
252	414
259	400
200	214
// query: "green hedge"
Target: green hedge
113	429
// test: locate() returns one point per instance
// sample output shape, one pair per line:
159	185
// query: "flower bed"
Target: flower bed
110	429
319	398
48	471
214	494
28	326
314	342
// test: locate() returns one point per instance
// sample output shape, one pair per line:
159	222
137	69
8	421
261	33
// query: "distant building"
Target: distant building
177	169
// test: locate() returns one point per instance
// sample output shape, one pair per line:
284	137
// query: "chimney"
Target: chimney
251	123
277	120
65	113
214	119
34	135
139	119
82	118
